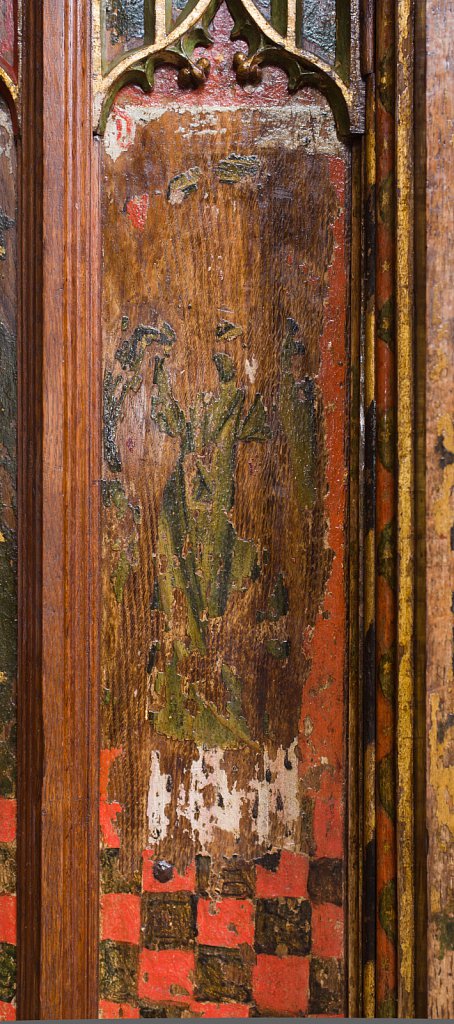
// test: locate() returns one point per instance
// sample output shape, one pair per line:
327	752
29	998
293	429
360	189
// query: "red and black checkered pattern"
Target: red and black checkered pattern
8	812
270	943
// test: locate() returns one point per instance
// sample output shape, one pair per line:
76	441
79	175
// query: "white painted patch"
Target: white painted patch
158	799
251	369
284	784
208	804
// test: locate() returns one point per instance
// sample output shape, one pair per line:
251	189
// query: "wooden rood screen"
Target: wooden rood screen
211	695
225	274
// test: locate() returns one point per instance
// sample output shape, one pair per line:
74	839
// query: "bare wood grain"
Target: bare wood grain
58	529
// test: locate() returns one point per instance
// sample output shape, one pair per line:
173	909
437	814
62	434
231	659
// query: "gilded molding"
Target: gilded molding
405	509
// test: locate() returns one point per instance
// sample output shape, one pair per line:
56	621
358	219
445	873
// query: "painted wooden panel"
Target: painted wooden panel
8	565
225	269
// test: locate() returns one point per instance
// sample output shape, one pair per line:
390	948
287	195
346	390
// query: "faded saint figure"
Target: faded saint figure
200	561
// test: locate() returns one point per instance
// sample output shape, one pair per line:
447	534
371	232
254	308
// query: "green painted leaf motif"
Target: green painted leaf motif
183	185
385	323
386	785
255	426
225	329
386	438
234	168
386	199
386	674
131	351
165	411
385	554
225	366
204	558
234	688
388	1006
387	910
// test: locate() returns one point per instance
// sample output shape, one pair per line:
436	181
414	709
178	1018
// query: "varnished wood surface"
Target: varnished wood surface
58	528
439	501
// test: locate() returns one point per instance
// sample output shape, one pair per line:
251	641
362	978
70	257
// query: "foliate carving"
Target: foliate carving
131	43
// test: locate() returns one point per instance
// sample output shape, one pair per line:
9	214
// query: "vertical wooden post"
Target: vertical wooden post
386	598
58	526
439	314
405	580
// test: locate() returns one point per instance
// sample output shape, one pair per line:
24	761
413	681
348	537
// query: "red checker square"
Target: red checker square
8	919
120	917
290	878
177	883
7	1011
328	931
117	1011
280	985
8	815
166	975
220	1010
228	922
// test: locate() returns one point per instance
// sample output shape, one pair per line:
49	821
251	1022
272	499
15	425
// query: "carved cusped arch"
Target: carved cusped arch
133	38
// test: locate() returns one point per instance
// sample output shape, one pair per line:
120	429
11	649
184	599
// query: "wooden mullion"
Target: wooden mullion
59	532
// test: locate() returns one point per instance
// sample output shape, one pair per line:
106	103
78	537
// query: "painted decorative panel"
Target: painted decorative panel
224	291
8	565
316	44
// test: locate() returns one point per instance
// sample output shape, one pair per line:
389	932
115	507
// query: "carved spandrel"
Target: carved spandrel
317	45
